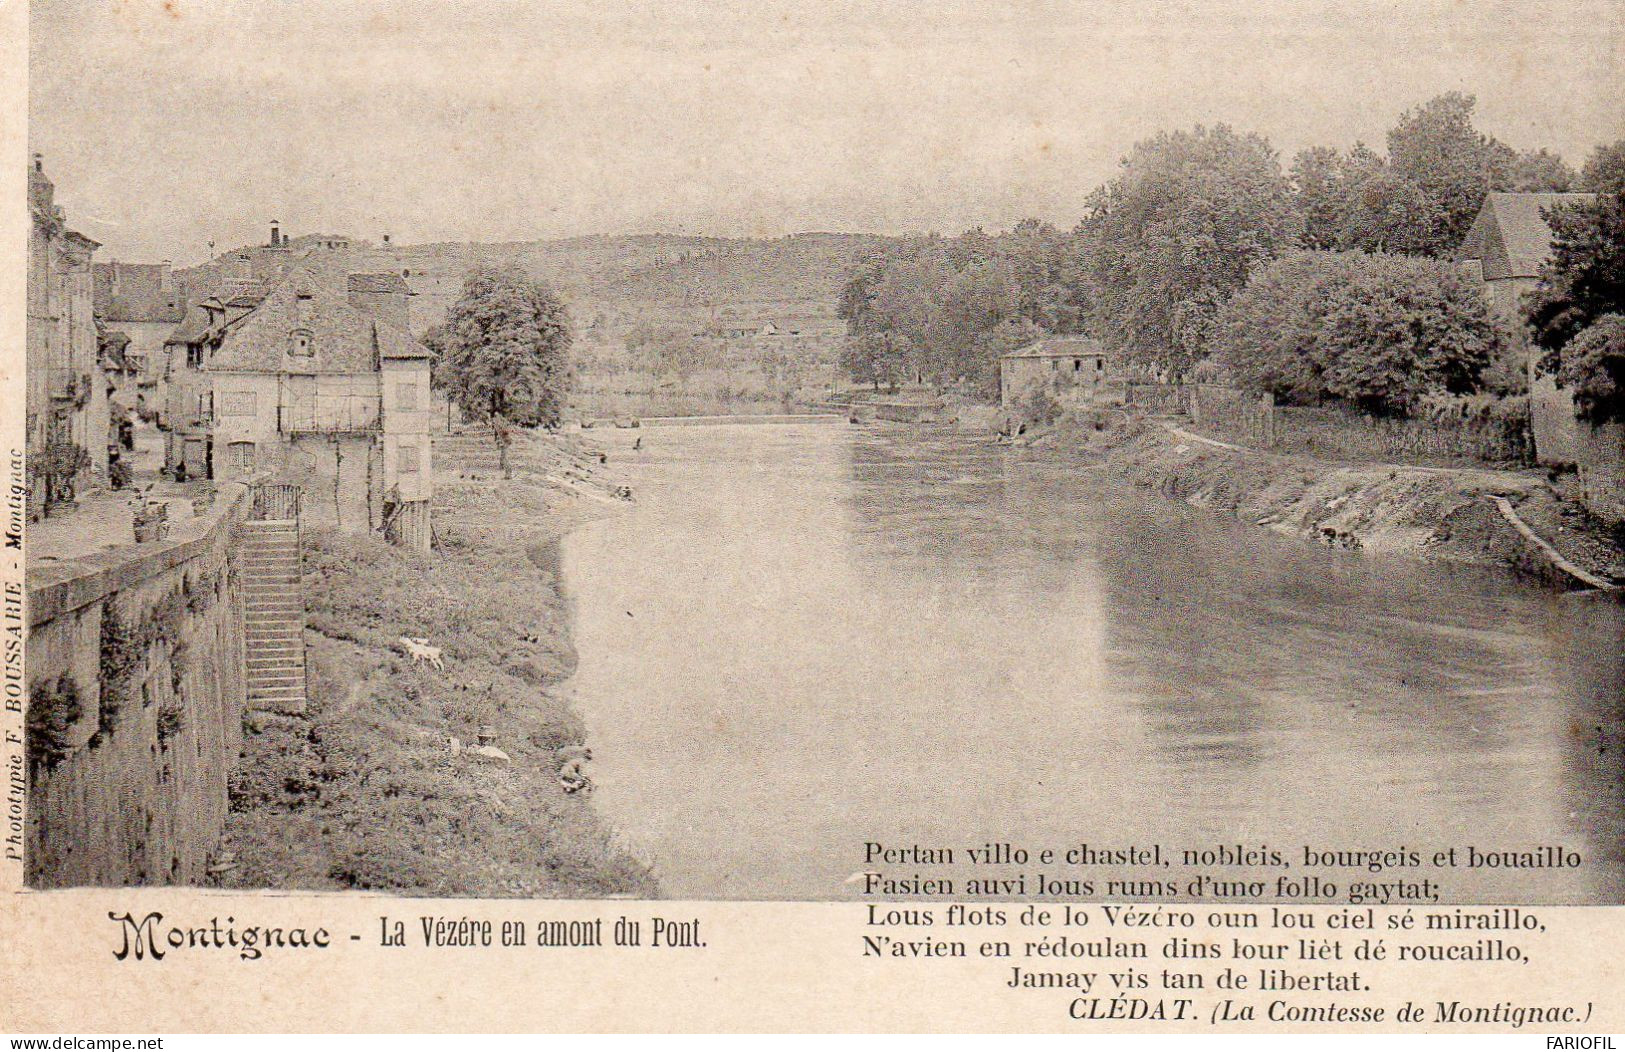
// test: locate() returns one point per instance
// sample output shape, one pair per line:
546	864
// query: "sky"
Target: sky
166	124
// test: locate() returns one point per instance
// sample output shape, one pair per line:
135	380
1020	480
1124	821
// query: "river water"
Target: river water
804	639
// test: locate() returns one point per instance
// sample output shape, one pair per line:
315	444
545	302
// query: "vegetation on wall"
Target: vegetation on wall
53	709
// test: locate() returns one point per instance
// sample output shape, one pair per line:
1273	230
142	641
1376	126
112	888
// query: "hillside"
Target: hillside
614	281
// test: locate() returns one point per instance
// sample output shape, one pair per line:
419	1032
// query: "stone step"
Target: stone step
292	694
263	683
291	665
262	690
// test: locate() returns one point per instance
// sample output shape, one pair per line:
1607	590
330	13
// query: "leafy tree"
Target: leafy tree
1387	212
1604	171
1378	332
503	352
1167	241
1593	367
1540	171
1399	328
1265	337
1321	194
1584	278
1436	146
1575	312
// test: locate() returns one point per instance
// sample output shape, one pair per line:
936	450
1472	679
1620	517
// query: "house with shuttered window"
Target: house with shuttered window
320	386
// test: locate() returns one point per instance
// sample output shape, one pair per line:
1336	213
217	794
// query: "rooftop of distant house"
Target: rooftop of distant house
378	283
1061	347
1510	237
138	292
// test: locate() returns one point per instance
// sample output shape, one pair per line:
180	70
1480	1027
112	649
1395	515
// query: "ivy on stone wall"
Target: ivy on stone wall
124	647
53	709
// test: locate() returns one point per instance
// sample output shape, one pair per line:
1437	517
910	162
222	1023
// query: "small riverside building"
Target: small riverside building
1071	360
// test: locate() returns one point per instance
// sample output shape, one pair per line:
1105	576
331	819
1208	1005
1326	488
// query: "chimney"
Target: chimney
276	232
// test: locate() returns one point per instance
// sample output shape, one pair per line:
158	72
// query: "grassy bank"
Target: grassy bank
363	791
1419	512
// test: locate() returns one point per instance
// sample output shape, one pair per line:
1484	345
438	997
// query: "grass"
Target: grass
363	792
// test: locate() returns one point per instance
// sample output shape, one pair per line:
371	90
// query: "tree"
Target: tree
1584	278
504	353
1540	171
1387	212
1320	191
1604	171
1167	241
1575	312
1593	368
1436	146
1377	332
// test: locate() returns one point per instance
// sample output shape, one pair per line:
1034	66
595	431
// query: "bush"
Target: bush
1378	332
1593	367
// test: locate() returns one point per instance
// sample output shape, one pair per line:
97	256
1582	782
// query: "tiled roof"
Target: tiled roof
390	282
192	327
1510	238
343	339
1059	347
138	292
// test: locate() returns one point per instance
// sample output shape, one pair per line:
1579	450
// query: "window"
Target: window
237	403
406	396
1077	365
194	356
301	342
242	457
406	458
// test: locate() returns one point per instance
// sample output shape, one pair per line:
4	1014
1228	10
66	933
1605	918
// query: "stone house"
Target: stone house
144	301
322	389
1070	360
1504	249
66	399
187	414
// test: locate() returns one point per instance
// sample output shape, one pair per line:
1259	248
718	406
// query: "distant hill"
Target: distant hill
609	281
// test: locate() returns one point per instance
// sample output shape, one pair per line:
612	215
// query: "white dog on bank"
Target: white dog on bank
418	648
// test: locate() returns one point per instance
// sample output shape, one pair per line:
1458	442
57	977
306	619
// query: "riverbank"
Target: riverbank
1420	512
366	790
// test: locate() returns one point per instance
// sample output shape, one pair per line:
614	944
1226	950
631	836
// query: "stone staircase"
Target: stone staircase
274	615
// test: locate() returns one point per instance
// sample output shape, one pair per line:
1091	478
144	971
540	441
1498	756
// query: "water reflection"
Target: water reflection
805	638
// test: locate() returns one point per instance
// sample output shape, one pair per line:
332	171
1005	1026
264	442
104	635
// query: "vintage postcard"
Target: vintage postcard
796	516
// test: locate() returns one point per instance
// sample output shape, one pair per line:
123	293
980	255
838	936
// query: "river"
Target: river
803	639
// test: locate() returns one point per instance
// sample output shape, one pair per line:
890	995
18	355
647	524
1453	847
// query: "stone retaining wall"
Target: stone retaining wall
136	698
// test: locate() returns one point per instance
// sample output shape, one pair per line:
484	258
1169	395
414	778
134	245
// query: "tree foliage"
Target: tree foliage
1593	368
943	310
1584	278
1575	314
1604	171
1176	233
1378	332
503	352
1436	147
